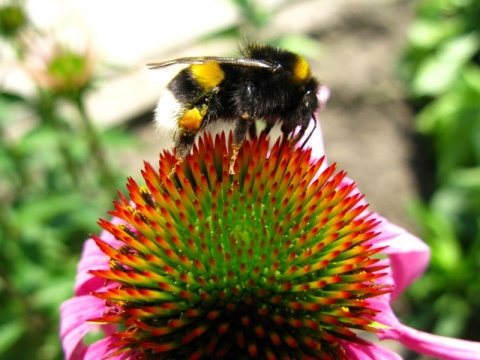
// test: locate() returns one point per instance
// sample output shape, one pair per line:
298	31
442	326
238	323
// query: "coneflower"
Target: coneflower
281	260
273	262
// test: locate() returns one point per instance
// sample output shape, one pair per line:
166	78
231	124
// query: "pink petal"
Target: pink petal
323	95
409	256
73	327
421	342
101	349
93	258
315	143
316	139
368	352
386	316
440	347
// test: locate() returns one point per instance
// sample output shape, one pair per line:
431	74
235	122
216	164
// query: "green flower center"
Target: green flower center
273	262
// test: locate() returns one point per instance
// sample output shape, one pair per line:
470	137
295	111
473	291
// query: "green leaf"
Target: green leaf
10	333
469	179
55	209
437	73
428	34
58	290
454	313
10	97
440	236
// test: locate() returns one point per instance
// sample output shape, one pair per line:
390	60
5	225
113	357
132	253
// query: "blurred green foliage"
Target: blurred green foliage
56	181
442	68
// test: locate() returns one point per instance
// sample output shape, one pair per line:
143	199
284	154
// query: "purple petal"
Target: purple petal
93	258
73	327
368	352
101	348
409	256
440	347
323	95
315	142
421	342
386	316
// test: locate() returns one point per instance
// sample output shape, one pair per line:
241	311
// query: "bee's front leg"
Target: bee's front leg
239	133
183	146
189	125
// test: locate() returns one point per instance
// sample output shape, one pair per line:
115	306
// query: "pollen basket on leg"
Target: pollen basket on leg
192	119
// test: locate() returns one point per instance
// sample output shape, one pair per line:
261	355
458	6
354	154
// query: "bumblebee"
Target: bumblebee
266	83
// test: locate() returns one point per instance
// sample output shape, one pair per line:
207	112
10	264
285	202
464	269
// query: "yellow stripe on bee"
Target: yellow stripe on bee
208	75
301	70
192	119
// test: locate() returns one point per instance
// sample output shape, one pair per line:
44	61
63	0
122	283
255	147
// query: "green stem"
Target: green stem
18	161
96	147
9	233
47	112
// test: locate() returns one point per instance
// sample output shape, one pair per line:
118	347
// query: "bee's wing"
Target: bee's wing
221	60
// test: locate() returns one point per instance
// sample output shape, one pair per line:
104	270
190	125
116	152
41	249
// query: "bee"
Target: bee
266	83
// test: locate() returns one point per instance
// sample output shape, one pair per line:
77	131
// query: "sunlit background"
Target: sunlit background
76	106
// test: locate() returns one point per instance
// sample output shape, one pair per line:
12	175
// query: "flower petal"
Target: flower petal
386	316
432	345
73	327
409	256
369	352
315	142
101	348
440	347
323	95
93	258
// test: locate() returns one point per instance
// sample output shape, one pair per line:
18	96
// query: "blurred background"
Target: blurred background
76	102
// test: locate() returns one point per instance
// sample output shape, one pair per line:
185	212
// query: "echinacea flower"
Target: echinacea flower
57	66
281	260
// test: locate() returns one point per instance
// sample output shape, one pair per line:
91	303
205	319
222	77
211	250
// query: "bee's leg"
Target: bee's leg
252	130
303	128
270	122
296	137
288	129
314	120
189	125
245	123
239	134
183	146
